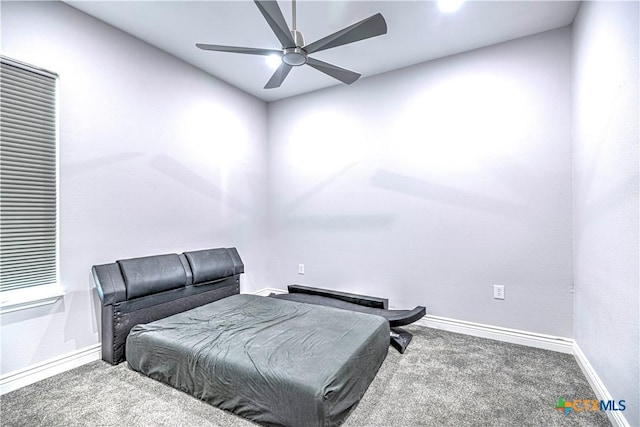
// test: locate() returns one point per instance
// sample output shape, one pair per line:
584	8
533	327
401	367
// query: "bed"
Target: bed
272	361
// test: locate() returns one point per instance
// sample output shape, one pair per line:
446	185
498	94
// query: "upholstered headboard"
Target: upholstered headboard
142	290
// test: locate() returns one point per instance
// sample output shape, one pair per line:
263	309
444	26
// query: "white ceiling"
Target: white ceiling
417	32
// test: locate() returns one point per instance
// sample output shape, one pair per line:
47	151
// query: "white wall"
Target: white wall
606	133
155	157
430	184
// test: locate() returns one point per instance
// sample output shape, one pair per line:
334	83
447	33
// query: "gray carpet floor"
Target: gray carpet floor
443	379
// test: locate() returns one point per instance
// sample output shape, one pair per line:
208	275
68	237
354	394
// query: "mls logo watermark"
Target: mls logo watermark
589	405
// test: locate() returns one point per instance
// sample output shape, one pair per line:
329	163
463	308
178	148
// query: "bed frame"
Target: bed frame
399	338
142	290
305	364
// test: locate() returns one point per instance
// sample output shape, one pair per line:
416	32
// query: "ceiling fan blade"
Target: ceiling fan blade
236	49
344	75
279	76
370	27
272	13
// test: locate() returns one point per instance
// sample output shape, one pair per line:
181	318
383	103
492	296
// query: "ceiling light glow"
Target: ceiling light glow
273	61
448	6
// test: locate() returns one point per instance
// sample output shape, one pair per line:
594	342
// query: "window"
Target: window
28	176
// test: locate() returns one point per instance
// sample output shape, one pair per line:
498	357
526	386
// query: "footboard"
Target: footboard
142	290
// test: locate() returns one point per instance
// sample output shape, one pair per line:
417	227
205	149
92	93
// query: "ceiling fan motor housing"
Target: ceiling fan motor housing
295	56
297	37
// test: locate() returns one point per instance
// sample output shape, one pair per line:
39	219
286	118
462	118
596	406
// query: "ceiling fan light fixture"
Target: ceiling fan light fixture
294	56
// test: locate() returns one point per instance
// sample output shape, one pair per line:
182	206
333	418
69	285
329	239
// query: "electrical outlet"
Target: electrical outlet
498	291
300	268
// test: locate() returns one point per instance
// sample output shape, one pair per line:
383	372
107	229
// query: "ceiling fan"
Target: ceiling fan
295	53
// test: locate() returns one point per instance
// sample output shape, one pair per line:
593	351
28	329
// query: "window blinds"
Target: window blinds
28	174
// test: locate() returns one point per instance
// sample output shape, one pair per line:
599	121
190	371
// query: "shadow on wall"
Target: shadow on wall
300	200
331	222
452	196
182	174
32	313
337	222
77	304
71	169
29	347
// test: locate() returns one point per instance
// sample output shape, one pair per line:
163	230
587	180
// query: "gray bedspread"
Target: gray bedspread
271	361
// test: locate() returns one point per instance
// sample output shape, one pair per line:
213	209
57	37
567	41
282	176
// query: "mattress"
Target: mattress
271	361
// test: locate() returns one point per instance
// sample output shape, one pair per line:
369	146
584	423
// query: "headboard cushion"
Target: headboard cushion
153	274
142	290
213	264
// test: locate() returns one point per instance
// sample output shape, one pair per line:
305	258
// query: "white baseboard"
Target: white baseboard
514	336
616	417
266	291
31	374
